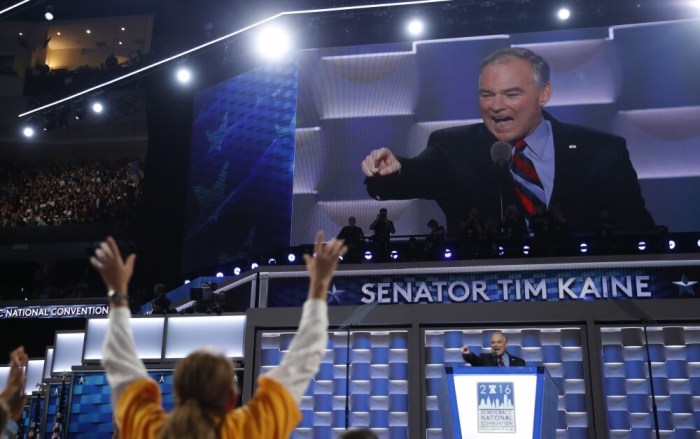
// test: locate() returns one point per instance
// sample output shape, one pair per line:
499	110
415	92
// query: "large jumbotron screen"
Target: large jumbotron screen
276	151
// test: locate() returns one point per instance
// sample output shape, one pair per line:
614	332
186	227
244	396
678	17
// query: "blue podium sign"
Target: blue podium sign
498	402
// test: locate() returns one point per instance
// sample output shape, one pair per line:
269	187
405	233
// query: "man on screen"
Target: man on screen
499	356
550	163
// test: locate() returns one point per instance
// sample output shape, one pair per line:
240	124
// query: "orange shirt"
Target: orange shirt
271	413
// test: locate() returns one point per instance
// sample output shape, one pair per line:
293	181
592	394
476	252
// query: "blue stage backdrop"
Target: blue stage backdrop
90	407
241	159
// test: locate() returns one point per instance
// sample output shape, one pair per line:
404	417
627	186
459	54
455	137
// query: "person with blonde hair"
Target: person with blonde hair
204	384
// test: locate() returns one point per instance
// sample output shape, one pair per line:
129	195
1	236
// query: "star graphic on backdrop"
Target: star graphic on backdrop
216	137
334	294
209	198
685	286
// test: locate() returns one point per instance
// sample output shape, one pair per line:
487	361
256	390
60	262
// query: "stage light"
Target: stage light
368	254
183	75
564	14
526	250
28	132
219	274
415	27
698	242
583	248
501	250
88	31
237	271
671	244
97	107
291	257
394	255
254	265
273	43
272	261
642	245
186	281
448	253
48	15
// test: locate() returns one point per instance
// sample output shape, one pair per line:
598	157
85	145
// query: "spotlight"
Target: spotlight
28	132
88	31
97	107
273	43
671	244
186	281
564	14
219	274
642	245
415	27
583	248
272	261
501	250
448	253
254	265
48	15
183	75
698	242
291	257
394	255
526	250
237	271
368	254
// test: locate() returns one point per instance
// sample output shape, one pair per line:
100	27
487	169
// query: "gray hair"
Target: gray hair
539	65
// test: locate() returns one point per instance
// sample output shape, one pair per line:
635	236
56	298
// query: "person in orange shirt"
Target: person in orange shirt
204	385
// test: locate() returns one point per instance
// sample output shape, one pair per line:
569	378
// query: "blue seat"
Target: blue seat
379	419
398	403
380	355
359	403
361	340
677	369
379	386
618	420
681	404
613	354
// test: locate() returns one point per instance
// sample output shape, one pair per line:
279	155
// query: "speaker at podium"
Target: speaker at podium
498	403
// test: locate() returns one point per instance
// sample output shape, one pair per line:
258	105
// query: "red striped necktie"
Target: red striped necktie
524	172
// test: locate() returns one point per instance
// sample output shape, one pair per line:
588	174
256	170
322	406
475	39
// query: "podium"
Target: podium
498	403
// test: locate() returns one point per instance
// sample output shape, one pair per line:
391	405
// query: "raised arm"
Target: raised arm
302	360
119	351
12	397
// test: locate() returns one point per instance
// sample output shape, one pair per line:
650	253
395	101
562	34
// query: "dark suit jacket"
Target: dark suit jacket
456	170
490	360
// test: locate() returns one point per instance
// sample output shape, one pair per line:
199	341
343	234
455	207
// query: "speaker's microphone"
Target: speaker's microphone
501	153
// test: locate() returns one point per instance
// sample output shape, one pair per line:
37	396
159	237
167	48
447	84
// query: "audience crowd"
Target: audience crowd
45	194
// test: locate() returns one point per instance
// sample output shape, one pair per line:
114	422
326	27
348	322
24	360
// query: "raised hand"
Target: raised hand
322	265
380	162
115	272
13	393
465	350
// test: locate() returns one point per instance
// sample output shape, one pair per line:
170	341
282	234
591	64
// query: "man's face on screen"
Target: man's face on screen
510	100
499	344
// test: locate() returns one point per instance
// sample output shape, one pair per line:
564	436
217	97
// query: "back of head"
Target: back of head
204	391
